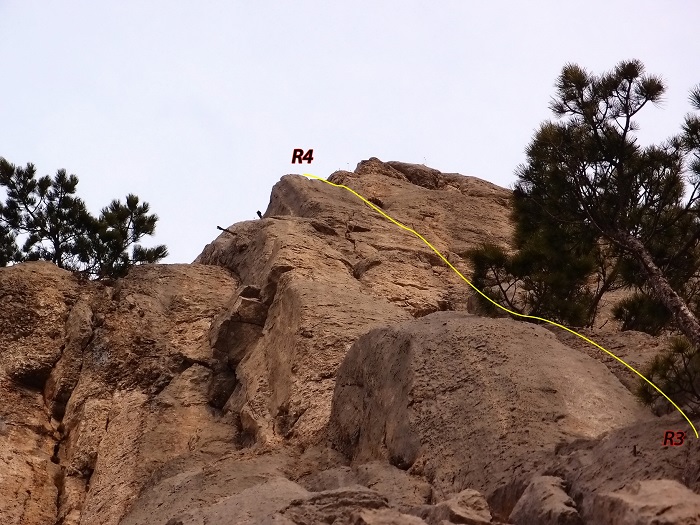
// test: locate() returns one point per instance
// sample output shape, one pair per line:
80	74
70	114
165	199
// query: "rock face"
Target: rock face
658	502
104	385
35	304
321	366
469	402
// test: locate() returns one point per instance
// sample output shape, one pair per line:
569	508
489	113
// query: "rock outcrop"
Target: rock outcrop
652	502
545	501
469	402
321	366
103	385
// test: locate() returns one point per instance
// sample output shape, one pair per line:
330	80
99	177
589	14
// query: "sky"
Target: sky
196	107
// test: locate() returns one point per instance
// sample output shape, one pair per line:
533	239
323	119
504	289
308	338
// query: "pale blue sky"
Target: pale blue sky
197	106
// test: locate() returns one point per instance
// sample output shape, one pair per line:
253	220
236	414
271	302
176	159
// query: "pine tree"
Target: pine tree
57	226
8	246
588	172
636	208
549	274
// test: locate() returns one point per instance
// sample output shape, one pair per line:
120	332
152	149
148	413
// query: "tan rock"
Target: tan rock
312	258
100	358
187	486
65	374
334	506
35	301
286	382
27	475
35	306
469	507
188	394
421	287
234	331
385	517
250	505
657	502
329	479
545	502
468	401
401	489
625	456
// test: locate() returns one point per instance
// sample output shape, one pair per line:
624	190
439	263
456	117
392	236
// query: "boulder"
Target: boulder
468	507
469	402
627	455
215	483
250	505
545	502
650	502
339	506
401	489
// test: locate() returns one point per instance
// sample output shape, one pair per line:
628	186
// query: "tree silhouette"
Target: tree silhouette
57	226
587	172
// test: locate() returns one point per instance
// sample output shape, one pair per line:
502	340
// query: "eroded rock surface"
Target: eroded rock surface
469	507
318	365
546	502
470	402
35	303
624	456
653	502
104	385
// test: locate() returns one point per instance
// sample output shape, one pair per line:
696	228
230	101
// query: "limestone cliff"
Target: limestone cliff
321	366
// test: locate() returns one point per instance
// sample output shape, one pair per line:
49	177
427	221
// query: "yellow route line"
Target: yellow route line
403	227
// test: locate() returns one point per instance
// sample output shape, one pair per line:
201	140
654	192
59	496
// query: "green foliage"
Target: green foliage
58	227
592	207
549	274
8	246
676	252
555	261
494	276
537	280
643	313
677	373
118	227
588	168
586	187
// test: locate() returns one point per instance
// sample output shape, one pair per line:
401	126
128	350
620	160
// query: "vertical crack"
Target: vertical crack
59	387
